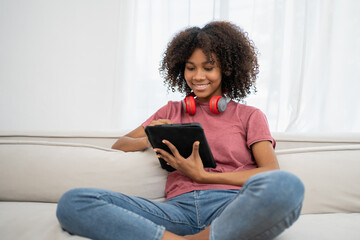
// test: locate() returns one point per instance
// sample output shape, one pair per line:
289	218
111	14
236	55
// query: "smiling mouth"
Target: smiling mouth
201	86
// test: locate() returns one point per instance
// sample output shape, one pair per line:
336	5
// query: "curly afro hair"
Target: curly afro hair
235	53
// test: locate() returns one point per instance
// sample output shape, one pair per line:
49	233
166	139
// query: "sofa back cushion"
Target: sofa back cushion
331	176
43	171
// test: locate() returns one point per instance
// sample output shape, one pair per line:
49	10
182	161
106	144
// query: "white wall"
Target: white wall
57	64
92	65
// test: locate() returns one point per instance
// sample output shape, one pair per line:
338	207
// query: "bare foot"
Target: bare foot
203	235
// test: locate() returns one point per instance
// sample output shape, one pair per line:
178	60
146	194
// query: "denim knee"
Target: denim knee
67	207
267	204
90	213
288	188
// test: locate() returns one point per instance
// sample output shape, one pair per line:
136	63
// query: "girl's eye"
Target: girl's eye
208	69
190	68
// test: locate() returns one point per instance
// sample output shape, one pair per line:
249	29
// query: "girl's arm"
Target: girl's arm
192	167
137	140
265	158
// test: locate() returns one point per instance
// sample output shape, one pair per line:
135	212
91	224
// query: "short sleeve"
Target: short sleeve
160	114
258	129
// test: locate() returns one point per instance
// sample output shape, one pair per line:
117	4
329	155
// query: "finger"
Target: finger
160	122
196	147
160	153
172	148
165	121
153	123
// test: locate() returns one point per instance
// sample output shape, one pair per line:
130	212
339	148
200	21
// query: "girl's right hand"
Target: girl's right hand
160	122
137	140
153	123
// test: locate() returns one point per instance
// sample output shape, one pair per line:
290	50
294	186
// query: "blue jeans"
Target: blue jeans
267	204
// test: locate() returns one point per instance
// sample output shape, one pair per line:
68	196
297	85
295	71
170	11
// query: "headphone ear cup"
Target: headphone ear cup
218	104
189	105
213	104
222	104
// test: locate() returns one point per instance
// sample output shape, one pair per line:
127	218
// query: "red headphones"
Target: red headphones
217	104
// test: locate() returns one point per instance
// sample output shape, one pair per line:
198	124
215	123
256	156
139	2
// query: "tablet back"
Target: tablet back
182	136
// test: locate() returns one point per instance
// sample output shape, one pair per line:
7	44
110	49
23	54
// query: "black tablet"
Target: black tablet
182	136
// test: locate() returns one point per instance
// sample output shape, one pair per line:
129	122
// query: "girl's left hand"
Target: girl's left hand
192	166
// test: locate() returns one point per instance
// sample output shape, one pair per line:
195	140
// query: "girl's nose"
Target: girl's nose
199	75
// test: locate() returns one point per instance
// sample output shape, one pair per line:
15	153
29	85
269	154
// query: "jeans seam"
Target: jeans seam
159	233
197	209
99	196
211	234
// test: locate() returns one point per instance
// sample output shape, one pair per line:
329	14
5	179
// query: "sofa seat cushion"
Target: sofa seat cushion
29	220
331	226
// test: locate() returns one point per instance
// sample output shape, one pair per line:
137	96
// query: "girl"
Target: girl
244	197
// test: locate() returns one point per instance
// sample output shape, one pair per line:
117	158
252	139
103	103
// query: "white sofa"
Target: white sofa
37	168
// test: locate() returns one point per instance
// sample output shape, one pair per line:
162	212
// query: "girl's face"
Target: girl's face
203	76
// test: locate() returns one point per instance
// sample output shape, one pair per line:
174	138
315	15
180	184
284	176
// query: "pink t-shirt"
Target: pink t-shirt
229	134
